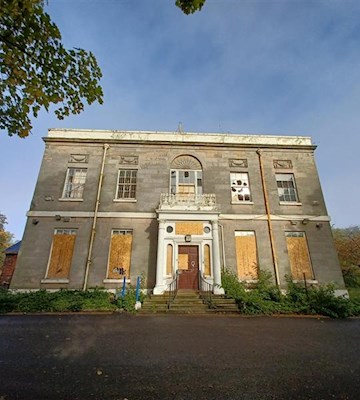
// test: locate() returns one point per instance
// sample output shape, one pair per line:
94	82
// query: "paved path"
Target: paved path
117	357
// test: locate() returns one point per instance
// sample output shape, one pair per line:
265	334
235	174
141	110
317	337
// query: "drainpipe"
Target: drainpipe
267	208
223	246
93	230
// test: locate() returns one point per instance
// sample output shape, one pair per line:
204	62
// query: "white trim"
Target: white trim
107	280
50	280
130	200
179	137
290	203
89	214
69	199
186	216
242	203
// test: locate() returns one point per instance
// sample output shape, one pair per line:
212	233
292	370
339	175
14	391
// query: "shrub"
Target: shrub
351	276
266	298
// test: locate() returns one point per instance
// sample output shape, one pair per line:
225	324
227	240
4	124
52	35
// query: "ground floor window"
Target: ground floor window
246	255
62	250
299	257
120	254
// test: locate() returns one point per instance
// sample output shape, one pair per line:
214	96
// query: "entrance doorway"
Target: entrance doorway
188	266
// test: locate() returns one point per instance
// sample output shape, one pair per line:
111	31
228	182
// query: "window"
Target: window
185	183
126	188
246	255
74	183
286	187
120	254
61	254
240	188
299	257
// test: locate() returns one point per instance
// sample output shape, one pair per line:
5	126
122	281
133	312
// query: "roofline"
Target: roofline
157	137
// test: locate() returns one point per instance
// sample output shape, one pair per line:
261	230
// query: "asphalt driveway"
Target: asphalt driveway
120	356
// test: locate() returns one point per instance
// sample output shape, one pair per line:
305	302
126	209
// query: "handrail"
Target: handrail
172	289
206	291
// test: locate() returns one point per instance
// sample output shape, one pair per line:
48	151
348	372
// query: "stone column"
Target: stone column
160	267
216	258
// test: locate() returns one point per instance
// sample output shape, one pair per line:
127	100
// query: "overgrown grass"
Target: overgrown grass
66	301
266	298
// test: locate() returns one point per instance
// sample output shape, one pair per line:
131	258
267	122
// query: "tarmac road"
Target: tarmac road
120	356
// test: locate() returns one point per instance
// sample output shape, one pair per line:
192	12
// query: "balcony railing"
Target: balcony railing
190	202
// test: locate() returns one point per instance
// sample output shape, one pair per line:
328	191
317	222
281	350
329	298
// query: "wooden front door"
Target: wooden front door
188	257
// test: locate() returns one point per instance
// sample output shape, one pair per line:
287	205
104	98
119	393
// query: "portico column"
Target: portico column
216	258
159	285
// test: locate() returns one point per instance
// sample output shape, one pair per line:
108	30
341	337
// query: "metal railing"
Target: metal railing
172	289
206	291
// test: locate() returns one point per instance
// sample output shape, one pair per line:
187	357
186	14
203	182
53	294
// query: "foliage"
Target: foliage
266	298
5	238
37	71
67	300
190	6
351	276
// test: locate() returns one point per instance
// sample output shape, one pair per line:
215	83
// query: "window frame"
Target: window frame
131	185
176	182
283	188
66	193
232	178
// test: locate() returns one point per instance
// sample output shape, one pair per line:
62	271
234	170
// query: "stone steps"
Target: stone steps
187	302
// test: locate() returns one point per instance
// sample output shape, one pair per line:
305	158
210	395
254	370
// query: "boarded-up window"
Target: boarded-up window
246	255
300	262
207	262
169	259
120	254
62	250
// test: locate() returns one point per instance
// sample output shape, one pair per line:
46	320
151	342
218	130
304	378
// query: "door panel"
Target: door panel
188	265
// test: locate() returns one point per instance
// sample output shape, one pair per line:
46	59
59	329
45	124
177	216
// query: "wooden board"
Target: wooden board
299	258
189	228
246	257
169	259
183	261
120	256
61	256
207	265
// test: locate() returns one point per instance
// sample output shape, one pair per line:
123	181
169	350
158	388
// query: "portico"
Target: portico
188	242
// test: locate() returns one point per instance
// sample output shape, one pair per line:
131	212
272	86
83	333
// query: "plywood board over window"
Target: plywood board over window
120	254
246	255
300	262
189	228
61	254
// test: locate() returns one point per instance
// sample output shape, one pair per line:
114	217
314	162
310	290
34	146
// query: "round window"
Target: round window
169	229
207	229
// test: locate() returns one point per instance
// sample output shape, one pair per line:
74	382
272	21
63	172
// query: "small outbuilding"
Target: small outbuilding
8	268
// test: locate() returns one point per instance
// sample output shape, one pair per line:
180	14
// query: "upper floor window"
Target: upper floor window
74	183
240	188
126	187
186	176
186	182
286	187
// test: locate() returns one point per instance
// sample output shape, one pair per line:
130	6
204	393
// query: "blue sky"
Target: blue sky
282	67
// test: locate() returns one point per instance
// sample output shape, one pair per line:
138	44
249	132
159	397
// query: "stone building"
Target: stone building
110	205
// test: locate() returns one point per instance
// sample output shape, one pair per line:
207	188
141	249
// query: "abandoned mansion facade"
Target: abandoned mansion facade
110	205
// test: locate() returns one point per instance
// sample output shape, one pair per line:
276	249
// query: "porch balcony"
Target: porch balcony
187	202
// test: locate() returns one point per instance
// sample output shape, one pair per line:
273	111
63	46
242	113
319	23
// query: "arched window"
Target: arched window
186	176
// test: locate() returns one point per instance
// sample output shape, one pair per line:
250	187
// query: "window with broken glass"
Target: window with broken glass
240	187
286	188
126	188
186	182
74	183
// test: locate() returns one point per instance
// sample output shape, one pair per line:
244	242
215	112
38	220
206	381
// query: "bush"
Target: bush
266	298
351	276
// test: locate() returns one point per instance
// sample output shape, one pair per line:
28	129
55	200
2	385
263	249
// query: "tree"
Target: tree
347	243
5	238
37	71
190	6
